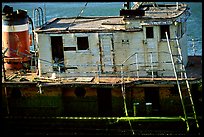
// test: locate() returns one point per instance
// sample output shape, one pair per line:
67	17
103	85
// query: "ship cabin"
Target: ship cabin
109	66
134	44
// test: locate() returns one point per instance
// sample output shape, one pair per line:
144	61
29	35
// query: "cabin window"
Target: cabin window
163	29
82	43
149	32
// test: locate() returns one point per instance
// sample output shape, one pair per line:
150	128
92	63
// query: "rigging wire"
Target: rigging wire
82	10
30	56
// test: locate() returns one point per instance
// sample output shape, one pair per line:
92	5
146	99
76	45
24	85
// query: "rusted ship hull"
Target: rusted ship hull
103	97
105	74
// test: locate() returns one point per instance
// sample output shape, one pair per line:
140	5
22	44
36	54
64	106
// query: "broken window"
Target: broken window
149	32
163	29
82	43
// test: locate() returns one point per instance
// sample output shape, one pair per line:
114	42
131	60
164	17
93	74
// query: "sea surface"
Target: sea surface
68	9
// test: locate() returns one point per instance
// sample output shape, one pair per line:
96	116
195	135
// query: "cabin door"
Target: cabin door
106	49
151	47
57	53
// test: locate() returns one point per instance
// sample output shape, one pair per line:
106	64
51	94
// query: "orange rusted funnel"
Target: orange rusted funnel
15	37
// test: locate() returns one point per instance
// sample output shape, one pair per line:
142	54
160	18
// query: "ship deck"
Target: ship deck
109	23
19	78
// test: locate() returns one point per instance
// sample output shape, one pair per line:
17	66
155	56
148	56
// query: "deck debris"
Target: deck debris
84	79
12	77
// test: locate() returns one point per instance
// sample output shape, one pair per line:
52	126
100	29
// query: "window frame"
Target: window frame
79	43
150	34
162	31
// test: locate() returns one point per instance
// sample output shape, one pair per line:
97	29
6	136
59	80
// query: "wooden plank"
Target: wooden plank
84	79
109	80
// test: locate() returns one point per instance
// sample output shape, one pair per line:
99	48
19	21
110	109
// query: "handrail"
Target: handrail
40	20
134	69
143	53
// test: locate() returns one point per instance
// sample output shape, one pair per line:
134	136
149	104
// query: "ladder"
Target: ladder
187	103
39	17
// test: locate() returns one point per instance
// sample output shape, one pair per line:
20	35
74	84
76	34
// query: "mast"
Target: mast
127	5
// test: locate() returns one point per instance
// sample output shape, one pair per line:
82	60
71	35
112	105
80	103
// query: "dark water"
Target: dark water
67	9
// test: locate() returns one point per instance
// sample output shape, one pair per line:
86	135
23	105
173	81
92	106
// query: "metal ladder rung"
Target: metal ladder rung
189	105
175	55
191	114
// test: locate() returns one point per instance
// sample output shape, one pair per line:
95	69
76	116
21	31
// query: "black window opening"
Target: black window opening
163	29
80	92
69	48
15	93
57	53
104	98
152	100
82	43
149	32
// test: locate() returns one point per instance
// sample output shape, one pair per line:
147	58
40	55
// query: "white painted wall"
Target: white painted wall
125	44
45	53
81	57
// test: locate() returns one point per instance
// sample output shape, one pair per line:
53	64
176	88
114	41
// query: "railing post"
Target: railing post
151	65
136	60
193	46
98	66
121	73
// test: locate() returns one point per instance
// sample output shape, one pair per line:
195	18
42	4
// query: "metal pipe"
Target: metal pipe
34	17
137	65
45	20
137	119
152	66
41	15
35	59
